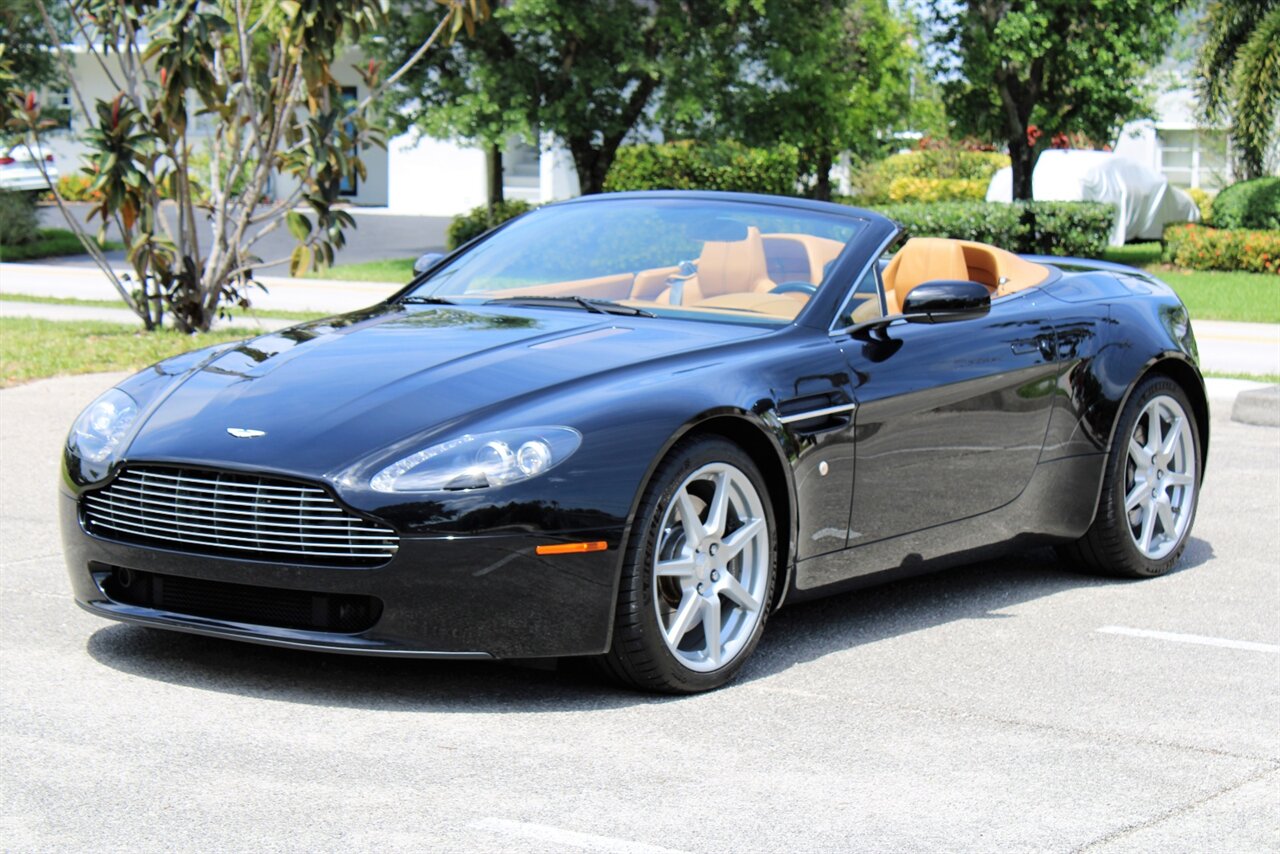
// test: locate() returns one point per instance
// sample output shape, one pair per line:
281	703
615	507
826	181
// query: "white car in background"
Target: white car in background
1145	202
25	168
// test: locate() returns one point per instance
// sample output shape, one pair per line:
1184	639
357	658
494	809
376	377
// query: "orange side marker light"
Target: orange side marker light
572	548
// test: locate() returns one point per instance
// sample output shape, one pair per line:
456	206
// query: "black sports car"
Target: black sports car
631	426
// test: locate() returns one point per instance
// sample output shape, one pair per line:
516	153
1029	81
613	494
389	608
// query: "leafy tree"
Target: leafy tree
26	50
1238	74
828	76
588	72
263	74
1059	66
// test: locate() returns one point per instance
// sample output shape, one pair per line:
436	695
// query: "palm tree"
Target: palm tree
1238	73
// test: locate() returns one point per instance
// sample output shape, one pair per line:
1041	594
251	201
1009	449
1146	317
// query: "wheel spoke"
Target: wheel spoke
686	617
737	541
1165	511
1170	443
731	587
1138	454
694	531
680	567
1148	526
1135	496
711	628
1155	438
718	509
1177	478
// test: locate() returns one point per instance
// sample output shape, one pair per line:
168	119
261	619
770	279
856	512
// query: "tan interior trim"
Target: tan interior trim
927	259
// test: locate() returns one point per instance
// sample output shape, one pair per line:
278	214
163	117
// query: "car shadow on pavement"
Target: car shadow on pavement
796	634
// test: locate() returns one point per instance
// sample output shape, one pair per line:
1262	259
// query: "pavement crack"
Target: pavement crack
1181	809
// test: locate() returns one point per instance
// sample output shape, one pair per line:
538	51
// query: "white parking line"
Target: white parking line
1252	646
572	838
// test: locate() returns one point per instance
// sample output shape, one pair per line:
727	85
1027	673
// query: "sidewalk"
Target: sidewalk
1251	348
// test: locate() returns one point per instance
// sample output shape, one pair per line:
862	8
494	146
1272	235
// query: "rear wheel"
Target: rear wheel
698	575
1151	487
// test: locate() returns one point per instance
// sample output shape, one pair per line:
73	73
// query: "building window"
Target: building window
1194	158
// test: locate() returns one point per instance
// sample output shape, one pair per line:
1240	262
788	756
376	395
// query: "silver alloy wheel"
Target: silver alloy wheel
711	567
1160	477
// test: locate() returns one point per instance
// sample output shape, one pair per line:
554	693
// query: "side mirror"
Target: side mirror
426	262
945	300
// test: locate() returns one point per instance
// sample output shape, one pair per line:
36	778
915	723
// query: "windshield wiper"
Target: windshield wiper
599	306
426	301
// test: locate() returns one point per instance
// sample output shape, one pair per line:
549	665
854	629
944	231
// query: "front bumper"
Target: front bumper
447	597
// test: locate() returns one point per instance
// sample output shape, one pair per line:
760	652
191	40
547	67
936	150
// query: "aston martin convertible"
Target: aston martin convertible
630	427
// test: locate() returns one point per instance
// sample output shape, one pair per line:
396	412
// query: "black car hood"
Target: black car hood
330	392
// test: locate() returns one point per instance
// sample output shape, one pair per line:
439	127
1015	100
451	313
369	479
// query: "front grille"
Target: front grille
242	603
209	512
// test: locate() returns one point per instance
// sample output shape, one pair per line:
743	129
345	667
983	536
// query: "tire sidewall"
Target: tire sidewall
1148	390
639	563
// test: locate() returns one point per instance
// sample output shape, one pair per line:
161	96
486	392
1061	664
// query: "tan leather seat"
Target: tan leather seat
920	260
727	267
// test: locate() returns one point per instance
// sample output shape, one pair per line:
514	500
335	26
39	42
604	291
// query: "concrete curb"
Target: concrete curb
1260	406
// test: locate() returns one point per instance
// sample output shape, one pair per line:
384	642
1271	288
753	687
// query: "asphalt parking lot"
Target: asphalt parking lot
1007	705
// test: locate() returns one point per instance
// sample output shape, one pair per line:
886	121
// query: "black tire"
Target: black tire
1109	547
640	657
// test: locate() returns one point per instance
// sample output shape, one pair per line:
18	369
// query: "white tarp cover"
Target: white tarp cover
1145	203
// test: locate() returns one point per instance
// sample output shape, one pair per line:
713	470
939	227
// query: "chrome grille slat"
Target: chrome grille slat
348	532
246	514
219	510
309	506
150	475
183	487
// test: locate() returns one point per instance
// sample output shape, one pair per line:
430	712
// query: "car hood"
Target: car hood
328	393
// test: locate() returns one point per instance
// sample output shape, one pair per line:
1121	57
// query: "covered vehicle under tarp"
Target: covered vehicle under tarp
1145	203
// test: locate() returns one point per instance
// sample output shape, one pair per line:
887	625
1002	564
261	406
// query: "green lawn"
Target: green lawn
32	349
1209	294
267	314
391	270
49	243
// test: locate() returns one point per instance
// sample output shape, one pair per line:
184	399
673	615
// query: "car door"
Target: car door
951	416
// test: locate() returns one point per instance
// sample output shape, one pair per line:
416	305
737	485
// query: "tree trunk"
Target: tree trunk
591	164
822	187
493	171
1023	158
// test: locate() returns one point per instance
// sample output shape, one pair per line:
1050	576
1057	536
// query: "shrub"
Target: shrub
1079	229
705	166
1201	248
873	183
75	188
1248	204
475	222
936	190
19	221
1204	201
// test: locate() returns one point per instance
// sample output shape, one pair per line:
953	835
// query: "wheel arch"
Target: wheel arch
749	432
1180	370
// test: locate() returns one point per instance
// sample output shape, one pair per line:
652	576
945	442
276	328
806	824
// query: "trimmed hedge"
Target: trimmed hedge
477	221
1201	248
1248	204
1078	229
936	190
688	165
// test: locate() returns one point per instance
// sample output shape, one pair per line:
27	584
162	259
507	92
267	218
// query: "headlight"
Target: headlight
479	461
98	432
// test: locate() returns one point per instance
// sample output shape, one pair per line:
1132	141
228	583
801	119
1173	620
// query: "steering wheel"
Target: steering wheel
795	288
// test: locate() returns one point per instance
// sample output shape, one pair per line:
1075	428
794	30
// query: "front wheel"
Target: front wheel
1151	486
697	578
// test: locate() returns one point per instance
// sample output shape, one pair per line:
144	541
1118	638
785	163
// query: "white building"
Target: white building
1177	145
412	175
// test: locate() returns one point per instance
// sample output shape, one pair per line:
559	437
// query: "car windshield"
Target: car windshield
692	258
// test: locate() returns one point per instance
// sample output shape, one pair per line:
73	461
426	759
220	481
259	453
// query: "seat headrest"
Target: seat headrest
732	267
926	259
